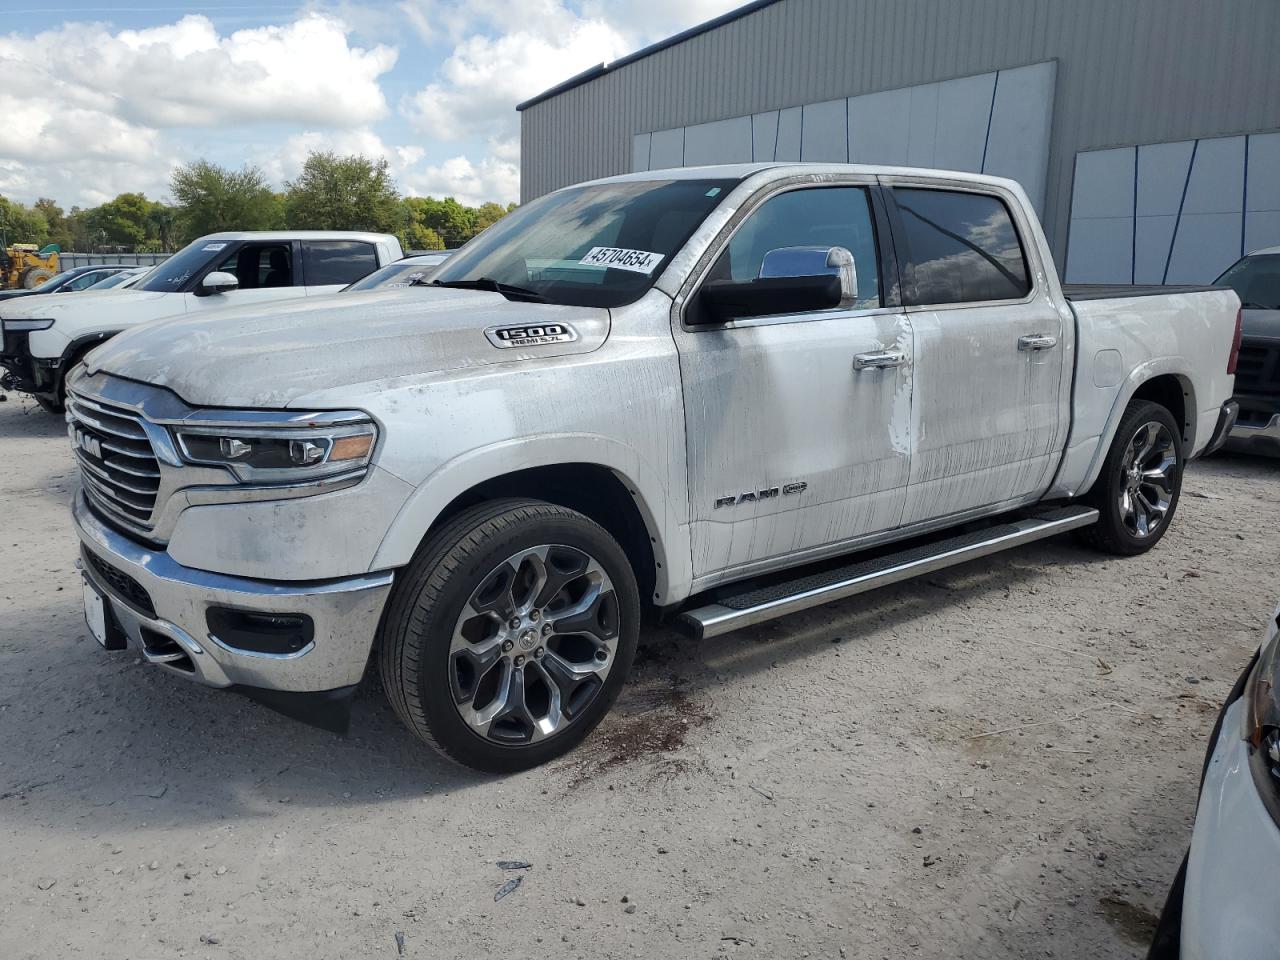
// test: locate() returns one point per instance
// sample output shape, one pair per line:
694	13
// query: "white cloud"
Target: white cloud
652	20
85	108
285	161
184	74
478	86
467	182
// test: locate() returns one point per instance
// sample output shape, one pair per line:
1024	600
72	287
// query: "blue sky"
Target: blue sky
100	98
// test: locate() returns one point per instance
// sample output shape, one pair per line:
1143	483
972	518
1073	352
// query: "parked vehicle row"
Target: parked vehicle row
688	391
69	281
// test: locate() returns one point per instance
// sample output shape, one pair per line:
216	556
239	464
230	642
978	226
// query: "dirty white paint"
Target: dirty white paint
967	425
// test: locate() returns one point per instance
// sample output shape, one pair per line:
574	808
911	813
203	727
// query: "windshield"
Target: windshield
58	280
399	274
114	280
170	275
592	246
1256	281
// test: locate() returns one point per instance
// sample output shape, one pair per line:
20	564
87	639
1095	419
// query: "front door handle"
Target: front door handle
1037	341
879	361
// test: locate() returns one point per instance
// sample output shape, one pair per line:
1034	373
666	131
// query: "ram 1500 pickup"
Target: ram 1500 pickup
721	393
41	339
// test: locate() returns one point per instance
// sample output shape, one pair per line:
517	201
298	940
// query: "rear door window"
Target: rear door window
330	262
960	248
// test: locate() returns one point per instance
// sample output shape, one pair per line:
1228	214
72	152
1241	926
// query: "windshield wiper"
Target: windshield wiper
488	283
1257	306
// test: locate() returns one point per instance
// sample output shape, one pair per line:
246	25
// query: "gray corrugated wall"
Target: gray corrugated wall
1129	71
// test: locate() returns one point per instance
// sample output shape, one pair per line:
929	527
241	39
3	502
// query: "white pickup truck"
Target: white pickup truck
43	338
696	392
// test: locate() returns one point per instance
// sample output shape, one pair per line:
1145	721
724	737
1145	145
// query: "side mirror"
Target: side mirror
724	300
792	280
814	261
217	282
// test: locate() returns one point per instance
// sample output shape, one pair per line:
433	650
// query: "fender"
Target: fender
85	342
1148	370
668	528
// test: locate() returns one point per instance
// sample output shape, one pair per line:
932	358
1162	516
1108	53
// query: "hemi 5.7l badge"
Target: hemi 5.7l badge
531	336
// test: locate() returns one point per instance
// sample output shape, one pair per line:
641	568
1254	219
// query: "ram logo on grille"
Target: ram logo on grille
118	467
89	444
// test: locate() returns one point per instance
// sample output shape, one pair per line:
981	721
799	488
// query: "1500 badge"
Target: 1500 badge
531	336
768	493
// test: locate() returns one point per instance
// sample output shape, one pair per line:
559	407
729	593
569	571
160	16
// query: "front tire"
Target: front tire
1137	492
510	634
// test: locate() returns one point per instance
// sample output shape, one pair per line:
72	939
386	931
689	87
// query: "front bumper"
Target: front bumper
161	606
24	372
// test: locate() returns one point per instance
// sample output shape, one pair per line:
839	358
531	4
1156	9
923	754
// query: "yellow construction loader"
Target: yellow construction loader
23	267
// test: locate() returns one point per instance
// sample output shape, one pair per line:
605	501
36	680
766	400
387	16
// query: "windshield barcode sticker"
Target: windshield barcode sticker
618	258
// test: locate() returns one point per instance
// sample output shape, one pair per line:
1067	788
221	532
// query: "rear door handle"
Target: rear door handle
1037	341
879	361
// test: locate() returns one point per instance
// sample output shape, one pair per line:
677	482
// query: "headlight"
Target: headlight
1263	696
25	326
265	456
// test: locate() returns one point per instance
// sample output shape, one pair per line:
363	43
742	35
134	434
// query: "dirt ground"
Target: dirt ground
1000	761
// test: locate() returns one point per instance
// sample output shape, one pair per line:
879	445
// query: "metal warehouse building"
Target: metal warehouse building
1147	132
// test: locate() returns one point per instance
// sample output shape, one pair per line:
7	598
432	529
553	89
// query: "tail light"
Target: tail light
1235	343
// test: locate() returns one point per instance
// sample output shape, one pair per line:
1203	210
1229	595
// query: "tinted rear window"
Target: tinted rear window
961	248
327	262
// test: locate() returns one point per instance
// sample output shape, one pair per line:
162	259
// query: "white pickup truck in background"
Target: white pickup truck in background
43	338
725	393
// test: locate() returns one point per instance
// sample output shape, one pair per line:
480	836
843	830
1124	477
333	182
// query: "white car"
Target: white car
675	390
122	280
417	268
1223	902
45	339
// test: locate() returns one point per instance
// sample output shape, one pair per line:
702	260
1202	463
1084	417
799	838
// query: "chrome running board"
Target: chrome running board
734	611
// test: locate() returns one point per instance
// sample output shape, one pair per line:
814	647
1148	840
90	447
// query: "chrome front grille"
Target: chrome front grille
118	465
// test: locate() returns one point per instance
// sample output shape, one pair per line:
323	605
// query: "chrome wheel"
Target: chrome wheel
534	644
1147	480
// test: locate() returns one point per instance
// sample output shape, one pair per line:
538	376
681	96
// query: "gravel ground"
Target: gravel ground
999	761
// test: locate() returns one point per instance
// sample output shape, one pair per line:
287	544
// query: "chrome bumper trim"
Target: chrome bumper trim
345	612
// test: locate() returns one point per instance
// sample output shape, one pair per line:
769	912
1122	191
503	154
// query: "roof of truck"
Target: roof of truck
299	235
740	171
1265	251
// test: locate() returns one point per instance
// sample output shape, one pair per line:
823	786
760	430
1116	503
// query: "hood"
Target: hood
56	304
268	355
1261	323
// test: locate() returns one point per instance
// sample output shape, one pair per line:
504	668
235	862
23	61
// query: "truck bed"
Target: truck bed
1120	291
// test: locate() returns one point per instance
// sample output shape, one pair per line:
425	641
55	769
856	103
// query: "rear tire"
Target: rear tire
1141	480
510	634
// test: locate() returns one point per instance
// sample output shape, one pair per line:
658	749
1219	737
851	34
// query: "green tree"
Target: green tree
59	224
418	237
22	224
455	223
210	198
343	193
122	221
487	214
162	224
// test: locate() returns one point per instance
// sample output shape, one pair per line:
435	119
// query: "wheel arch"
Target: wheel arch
1166	381
628	501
